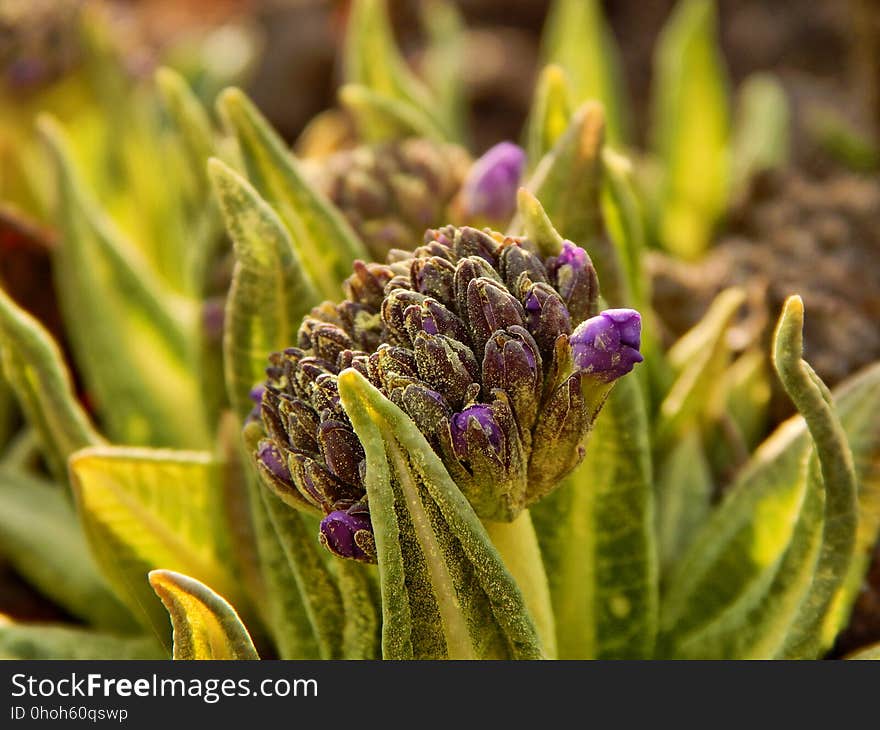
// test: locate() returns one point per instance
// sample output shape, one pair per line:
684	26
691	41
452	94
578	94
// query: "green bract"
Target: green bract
684	532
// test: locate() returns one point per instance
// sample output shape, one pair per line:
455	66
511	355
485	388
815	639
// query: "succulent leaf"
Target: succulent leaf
549	114
205	625
373	62
759	567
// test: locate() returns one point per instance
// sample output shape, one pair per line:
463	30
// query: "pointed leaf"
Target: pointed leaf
381	118
756	575
684	497
325	242
39	641
597	536
431	544
578	38
41	538
282	607
761	136
621	209
270	290
134	339
373	61
443	64
690	128
144	509
700	356
550	113
190	119
205	625
34	367
317	587
820	614
568	183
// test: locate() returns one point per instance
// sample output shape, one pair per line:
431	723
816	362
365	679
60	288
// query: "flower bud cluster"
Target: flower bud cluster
489	347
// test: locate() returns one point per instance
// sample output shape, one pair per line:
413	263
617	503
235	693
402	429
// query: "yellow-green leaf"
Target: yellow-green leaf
568	182
145	509
690	129
205	625
135	340
430	545
373	61
578	38
764	576
34	367
761	136
550	113
271	291
597	536
324	240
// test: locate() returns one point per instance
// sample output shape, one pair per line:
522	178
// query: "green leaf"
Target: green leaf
858	402
684	495
690	129
282	606
444	63
39	641
381	118
145	509
568	182
34	367
578	38
190	120
700	358
760	579
41	538
316	586
325	242
597	535
821	613
445	589
622	212
761	136
205	625
135	340
373	61
550	113
270	293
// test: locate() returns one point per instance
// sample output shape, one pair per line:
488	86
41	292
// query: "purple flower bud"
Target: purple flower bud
482	416
272	459
489	191
575	279
256	395
339	534
607	345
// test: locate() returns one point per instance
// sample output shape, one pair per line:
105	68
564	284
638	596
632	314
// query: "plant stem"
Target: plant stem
518	545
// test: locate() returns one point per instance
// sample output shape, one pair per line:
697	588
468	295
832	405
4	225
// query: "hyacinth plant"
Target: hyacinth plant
460	445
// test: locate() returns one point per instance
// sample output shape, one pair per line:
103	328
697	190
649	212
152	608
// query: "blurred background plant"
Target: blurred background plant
698	211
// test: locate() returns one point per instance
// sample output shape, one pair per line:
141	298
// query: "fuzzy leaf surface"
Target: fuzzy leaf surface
445	591
205	625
